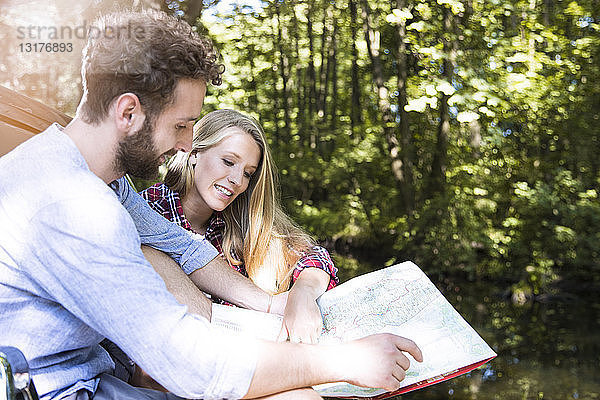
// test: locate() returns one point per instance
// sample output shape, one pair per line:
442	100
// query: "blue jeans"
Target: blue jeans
111	388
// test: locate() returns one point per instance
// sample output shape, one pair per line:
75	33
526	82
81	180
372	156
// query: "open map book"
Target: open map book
398	299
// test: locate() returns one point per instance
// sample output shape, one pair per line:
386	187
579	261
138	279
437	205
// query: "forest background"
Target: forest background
462	135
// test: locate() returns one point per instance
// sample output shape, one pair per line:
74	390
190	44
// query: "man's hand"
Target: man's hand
378	361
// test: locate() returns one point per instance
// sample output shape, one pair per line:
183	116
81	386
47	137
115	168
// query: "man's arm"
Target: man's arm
219	279
90	267
157	232
216	278
374	361
178	283
197	257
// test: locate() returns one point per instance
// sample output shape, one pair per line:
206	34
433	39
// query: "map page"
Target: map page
403	301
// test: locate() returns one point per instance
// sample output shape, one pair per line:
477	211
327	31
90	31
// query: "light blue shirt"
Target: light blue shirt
72	273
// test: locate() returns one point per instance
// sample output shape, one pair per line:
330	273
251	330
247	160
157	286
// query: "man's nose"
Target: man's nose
184	142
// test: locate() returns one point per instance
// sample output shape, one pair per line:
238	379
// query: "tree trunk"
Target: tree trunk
355	113
383	102
301	116
193	11
312	79
331	75
334	77
438	165
283	72
325	39
548	12
475	129
407	153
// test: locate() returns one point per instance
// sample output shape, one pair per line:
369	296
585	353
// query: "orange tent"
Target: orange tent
22	117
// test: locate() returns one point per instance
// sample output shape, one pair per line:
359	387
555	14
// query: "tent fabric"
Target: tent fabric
22	117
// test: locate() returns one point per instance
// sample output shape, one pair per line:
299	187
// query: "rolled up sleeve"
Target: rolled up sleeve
319	258
190	251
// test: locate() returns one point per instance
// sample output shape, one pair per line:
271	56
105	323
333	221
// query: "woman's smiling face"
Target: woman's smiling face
223	171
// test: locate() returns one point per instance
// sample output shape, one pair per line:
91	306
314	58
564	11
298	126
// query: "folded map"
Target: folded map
399	299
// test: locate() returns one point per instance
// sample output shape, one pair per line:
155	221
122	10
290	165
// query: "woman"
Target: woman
225	188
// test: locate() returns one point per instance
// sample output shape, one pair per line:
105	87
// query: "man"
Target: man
71	268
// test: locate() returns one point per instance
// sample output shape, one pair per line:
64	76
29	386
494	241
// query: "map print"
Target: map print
400	300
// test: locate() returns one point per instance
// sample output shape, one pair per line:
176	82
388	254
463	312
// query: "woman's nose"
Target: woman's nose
235	177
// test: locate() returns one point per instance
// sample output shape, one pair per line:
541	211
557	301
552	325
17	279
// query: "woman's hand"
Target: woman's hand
302	321
278	303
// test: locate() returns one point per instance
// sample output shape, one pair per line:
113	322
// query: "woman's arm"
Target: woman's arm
314	274
302	321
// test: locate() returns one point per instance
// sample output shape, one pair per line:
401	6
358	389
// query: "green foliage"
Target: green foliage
518	199
495	173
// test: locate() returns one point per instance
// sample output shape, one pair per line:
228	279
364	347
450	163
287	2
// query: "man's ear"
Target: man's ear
129	117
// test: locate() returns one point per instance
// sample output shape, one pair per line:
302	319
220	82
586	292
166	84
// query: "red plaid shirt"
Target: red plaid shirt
168	203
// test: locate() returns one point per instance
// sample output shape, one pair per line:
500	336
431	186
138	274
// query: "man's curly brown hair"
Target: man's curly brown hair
145	53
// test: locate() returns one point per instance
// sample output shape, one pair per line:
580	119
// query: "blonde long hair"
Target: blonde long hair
258	232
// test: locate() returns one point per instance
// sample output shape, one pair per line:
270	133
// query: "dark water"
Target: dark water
546	349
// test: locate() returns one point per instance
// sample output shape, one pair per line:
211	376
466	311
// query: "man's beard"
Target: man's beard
137	155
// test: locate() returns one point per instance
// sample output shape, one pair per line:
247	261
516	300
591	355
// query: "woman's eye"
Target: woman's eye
227	162
181	127
248	175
